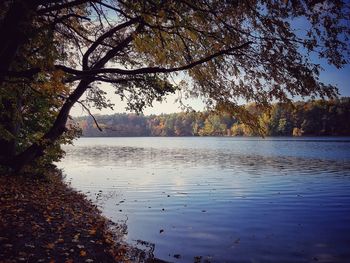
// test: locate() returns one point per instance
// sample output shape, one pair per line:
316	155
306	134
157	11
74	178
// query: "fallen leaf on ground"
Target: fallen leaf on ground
50	246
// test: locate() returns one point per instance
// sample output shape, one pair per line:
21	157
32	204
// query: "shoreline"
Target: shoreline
45	220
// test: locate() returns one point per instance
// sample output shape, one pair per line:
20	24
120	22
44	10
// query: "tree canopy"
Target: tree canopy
222	51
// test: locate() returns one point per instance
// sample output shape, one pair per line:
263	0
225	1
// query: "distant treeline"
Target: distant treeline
312	118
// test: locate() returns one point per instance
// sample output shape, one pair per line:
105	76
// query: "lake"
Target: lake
221	199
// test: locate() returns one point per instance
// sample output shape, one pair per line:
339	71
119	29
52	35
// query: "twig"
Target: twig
93	117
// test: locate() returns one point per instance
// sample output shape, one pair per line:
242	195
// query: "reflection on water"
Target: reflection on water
222	199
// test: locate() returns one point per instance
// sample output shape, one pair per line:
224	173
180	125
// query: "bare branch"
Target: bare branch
113	8
62	18
89	112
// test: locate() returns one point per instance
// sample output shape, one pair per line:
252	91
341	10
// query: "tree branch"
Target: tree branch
89	112
116	81
149	70
102	38
112	52
62	18
62	6
113	8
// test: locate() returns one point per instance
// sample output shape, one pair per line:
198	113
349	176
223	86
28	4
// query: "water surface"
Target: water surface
222	199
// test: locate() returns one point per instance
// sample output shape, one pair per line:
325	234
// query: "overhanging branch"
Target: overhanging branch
147	70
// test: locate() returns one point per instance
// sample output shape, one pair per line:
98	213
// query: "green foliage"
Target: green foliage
53	152
324	118
29	107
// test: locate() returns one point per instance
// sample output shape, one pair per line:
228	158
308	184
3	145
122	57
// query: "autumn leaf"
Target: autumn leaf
60	240
92	231
50	246
119	258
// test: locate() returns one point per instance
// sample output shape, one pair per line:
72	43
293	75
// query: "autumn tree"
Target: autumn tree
31	89
222	50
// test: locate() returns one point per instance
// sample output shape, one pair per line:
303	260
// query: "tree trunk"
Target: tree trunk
58	128
13	31
10	119
7	143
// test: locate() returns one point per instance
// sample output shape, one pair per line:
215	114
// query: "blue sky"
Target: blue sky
330	75
338	77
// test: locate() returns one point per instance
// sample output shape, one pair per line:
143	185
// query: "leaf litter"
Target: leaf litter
44	220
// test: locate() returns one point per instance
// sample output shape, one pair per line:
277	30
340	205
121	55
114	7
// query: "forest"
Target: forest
312	118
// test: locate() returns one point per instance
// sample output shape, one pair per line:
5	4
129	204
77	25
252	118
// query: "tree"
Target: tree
280	121
213	126
31	89
228	49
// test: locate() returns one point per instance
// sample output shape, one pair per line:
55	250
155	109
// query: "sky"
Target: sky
168	106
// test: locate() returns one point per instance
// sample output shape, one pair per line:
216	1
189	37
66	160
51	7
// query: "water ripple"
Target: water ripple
224	200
